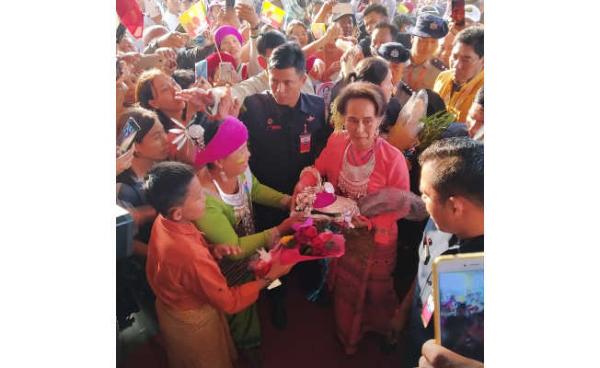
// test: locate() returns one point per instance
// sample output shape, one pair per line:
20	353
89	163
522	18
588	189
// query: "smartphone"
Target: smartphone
201	69
458	299
226	72
127	136
458	12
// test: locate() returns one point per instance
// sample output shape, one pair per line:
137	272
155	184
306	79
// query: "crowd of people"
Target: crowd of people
381	98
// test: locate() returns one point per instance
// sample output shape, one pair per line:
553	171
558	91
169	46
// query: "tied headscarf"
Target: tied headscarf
225	31
230	136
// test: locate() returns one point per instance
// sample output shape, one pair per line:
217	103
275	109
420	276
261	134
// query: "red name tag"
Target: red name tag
305	143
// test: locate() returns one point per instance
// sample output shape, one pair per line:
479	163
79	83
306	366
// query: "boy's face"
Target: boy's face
193	205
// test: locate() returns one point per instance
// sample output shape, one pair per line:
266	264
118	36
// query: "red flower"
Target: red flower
321	240
309	231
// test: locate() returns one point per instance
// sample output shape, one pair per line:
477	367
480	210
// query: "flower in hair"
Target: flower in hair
193	133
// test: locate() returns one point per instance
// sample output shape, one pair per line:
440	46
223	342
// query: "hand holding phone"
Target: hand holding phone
224	73
128	134
458	298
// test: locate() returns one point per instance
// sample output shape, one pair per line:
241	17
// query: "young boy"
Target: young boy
191	293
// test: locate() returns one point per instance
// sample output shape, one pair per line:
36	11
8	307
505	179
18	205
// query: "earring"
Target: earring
223	176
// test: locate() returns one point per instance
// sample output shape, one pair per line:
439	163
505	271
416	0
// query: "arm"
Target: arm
187	59
217	229
173	40
250	86
206	278
267	196
332	33
324	12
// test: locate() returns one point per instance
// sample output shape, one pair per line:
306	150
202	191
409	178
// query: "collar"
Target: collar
179	227
303	103
470	245
470	82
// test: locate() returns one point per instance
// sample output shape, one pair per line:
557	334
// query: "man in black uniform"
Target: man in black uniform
454	199
287	131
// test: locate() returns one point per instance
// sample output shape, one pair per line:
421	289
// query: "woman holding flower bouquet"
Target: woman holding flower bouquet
357	162
228	218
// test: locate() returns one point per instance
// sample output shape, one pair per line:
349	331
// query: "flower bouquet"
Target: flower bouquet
312	241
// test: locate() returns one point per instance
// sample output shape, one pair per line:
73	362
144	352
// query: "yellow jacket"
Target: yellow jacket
457	102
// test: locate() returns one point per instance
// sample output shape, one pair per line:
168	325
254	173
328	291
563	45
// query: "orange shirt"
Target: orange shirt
184	275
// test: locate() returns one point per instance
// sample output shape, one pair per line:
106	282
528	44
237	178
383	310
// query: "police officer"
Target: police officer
423	68
287	131
397	55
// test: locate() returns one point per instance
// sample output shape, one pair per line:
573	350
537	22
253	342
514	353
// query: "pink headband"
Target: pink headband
225	31
230	136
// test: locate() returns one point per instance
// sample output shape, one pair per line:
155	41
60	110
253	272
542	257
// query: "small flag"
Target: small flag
194	20
272	14
131	16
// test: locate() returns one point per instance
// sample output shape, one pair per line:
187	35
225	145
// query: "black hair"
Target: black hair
402	20
365	90
479	97
385	25
472	36
184	77
371	69
269	40
288	55
144	117
167	185
377	8
435	103
457	166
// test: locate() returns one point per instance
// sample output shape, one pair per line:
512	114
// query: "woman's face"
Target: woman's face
388	86
163	90
362	122
237	162
299	34
231	45
154	145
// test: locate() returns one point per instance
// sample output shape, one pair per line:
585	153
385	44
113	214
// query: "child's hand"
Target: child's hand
220	250
278	269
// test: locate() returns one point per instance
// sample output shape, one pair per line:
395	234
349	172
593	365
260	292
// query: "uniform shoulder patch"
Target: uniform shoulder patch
438	64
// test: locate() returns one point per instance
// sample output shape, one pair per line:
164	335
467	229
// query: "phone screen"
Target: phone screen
128	134
461	312
226	71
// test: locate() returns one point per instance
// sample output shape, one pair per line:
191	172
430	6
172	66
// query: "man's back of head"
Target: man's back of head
269	41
